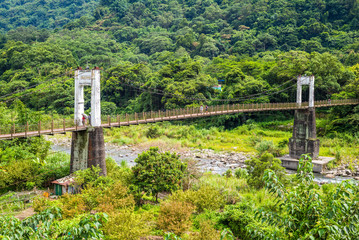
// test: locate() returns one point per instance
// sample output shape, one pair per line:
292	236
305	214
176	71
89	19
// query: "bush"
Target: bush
115	197
241	173
153	131
206	197
207	232
120	173
72	205
257	166
237	217
175	216
40	204
267	146
126	224
157	172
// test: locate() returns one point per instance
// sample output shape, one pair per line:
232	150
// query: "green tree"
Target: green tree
157	172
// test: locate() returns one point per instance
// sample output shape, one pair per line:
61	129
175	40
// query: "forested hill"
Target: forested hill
43	13
242	27
179	47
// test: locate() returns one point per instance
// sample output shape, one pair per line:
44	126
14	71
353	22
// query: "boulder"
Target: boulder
329	176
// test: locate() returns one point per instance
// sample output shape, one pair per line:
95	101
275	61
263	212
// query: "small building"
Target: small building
217	87
64	185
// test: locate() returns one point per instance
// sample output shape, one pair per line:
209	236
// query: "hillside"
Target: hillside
43	13
182	47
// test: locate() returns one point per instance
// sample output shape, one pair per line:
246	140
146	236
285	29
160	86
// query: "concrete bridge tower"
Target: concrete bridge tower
304	138
88	147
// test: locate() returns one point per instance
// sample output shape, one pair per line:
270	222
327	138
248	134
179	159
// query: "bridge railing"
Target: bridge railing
62	125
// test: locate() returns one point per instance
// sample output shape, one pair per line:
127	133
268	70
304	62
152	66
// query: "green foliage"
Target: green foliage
308	213
48	224
206	197
156	172
257	166
126	224
43	14
237	217
26	163
241	173
87	176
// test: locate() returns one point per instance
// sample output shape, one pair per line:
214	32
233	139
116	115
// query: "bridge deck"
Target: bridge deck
67	125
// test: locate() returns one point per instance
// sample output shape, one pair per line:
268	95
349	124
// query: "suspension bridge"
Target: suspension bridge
60	126
88	146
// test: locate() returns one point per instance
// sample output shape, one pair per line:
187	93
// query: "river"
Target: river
207	160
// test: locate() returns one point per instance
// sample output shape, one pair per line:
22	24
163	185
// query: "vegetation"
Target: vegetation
161	55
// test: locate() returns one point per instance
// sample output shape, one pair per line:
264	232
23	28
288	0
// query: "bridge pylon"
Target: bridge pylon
304	140
88	146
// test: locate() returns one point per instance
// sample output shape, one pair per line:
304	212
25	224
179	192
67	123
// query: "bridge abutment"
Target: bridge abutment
88	149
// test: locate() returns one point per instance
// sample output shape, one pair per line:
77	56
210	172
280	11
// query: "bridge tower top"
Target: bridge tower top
88	78
305	80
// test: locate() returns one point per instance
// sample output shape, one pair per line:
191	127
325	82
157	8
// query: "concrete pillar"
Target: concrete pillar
79	151
88	149
311	92
299	91
79	100
95	99
304	140
96	149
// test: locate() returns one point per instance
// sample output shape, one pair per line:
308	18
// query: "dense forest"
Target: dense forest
167	54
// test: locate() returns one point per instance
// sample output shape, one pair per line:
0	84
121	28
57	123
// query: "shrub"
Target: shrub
207	232
126	224
72	205
115	197
206	197
157	172
237	217
153	131
267	146
87	176
241	173
121	173
228	173
175	216
40	204
257	166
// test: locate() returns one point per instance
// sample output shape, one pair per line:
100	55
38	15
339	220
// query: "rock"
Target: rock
329	176
348	172
356	178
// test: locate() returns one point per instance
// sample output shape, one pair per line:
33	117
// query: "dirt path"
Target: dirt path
26	213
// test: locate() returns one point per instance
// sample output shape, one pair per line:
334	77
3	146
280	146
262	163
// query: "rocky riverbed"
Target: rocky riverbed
207	159
343	171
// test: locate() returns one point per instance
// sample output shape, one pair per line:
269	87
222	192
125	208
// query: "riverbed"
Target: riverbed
207	159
